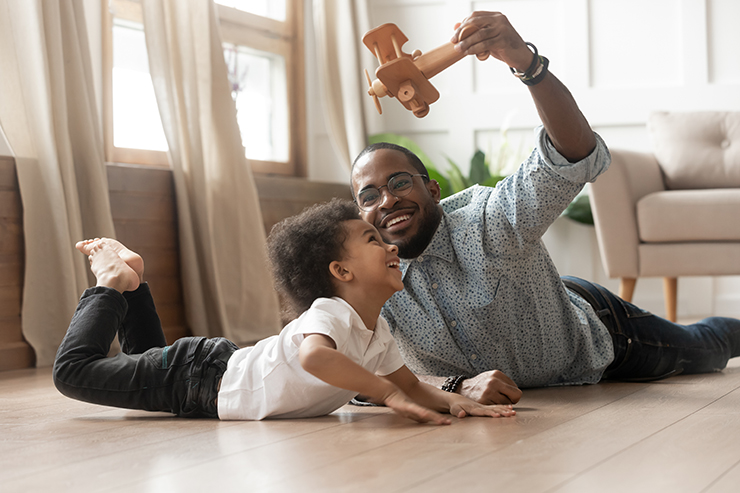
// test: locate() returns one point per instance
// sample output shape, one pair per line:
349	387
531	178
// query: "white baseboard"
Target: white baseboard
727	306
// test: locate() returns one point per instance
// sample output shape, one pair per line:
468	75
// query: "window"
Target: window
274	9
260	93
263	51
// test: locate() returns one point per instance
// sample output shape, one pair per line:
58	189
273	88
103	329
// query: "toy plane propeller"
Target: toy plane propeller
406	76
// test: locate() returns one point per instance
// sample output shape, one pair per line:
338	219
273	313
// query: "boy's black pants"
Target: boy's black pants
147	374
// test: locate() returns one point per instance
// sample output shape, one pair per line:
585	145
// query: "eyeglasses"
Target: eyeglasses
399	185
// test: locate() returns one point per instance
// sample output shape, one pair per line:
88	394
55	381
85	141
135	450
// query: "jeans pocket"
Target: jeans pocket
632	311
181	352
622	353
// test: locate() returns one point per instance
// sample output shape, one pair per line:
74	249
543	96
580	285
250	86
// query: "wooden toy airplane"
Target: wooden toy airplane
406	76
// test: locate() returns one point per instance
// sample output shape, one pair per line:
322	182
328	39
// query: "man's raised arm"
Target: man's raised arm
566	126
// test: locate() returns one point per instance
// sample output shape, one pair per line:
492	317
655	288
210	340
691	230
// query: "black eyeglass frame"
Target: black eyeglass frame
390	190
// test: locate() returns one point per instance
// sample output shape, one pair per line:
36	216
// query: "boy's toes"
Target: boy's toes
86	246
83	246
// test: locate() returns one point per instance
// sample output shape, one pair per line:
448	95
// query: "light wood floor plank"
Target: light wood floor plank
688	455
451	448
175	444
727	483
353	433
679	435
546	460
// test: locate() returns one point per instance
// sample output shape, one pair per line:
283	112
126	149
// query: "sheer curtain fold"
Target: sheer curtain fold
48	113
227	286
338	28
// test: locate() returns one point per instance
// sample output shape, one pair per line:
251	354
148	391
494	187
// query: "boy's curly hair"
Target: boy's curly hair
301	248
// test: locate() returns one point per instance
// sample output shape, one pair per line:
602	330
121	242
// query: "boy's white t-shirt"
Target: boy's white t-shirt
267	380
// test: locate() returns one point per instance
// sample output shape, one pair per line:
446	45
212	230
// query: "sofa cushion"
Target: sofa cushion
690	215
697	149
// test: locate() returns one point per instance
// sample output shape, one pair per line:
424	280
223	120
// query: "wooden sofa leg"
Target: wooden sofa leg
670	292
627	288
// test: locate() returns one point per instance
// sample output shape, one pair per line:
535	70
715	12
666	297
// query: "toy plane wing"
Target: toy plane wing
385	43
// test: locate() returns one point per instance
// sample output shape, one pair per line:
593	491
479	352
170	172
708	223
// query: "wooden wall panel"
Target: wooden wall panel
14	350
282	197
144	214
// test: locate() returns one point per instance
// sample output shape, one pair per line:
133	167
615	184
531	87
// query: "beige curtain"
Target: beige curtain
227	286
49	116
338	29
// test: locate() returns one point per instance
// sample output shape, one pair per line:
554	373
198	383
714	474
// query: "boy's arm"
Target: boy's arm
319	357
442	401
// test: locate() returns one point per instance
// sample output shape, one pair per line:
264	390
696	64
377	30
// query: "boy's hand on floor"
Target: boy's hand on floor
403	406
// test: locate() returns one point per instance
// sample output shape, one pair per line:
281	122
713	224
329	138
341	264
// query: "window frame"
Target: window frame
284	38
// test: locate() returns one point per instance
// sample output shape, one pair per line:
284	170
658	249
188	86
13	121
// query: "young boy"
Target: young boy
332	266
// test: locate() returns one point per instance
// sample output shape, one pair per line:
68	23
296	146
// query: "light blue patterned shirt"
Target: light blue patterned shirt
485	294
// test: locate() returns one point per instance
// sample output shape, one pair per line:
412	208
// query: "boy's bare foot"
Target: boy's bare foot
111	270
131	258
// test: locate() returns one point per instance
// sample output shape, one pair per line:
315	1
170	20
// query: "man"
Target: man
484	310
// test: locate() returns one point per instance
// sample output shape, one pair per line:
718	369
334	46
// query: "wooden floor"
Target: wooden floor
679	435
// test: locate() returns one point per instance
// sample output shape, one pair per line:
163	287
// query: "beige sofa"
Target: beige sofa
674	212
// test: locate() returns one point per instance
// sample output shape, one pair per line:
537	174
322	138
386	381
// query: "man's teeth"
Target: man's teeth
393	264
397	220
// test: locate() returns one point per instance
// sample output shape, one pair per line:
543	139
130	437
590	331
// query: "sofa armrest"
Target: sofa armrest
614	196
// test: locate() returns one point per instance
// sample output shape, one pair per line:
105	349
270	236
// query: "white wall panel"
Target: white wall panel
724	40
727	299
636	43
545	30
633	137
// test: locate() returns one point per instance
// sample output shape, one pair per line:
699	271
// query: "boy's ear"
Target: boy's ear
339	272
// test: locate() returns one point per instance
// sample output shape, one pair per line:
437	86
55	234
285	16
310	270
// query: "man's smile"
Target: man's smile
395	221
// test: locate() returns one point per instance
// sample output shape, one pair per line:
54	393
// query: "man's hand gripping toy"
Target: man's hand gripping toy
406	76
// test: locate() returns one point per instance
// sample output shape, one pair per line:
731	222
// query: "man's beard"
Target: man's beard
414	246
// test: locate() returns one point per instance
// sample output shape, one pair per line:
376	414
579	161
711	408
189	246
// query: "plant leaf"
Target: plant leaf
580	210
444	183
492	181
457	179
479	172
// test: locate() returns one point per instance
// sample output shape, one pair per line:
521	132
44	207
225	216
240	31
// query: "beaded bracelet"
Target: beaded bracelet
452	383
539	74
535	72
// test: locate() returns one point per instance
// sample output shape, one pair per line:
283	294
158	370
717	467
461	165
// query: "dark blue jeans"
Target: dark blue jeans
147	374
647	347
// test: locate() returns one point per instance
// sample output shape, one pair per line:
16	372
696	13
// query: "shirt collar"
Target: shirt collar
440	247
